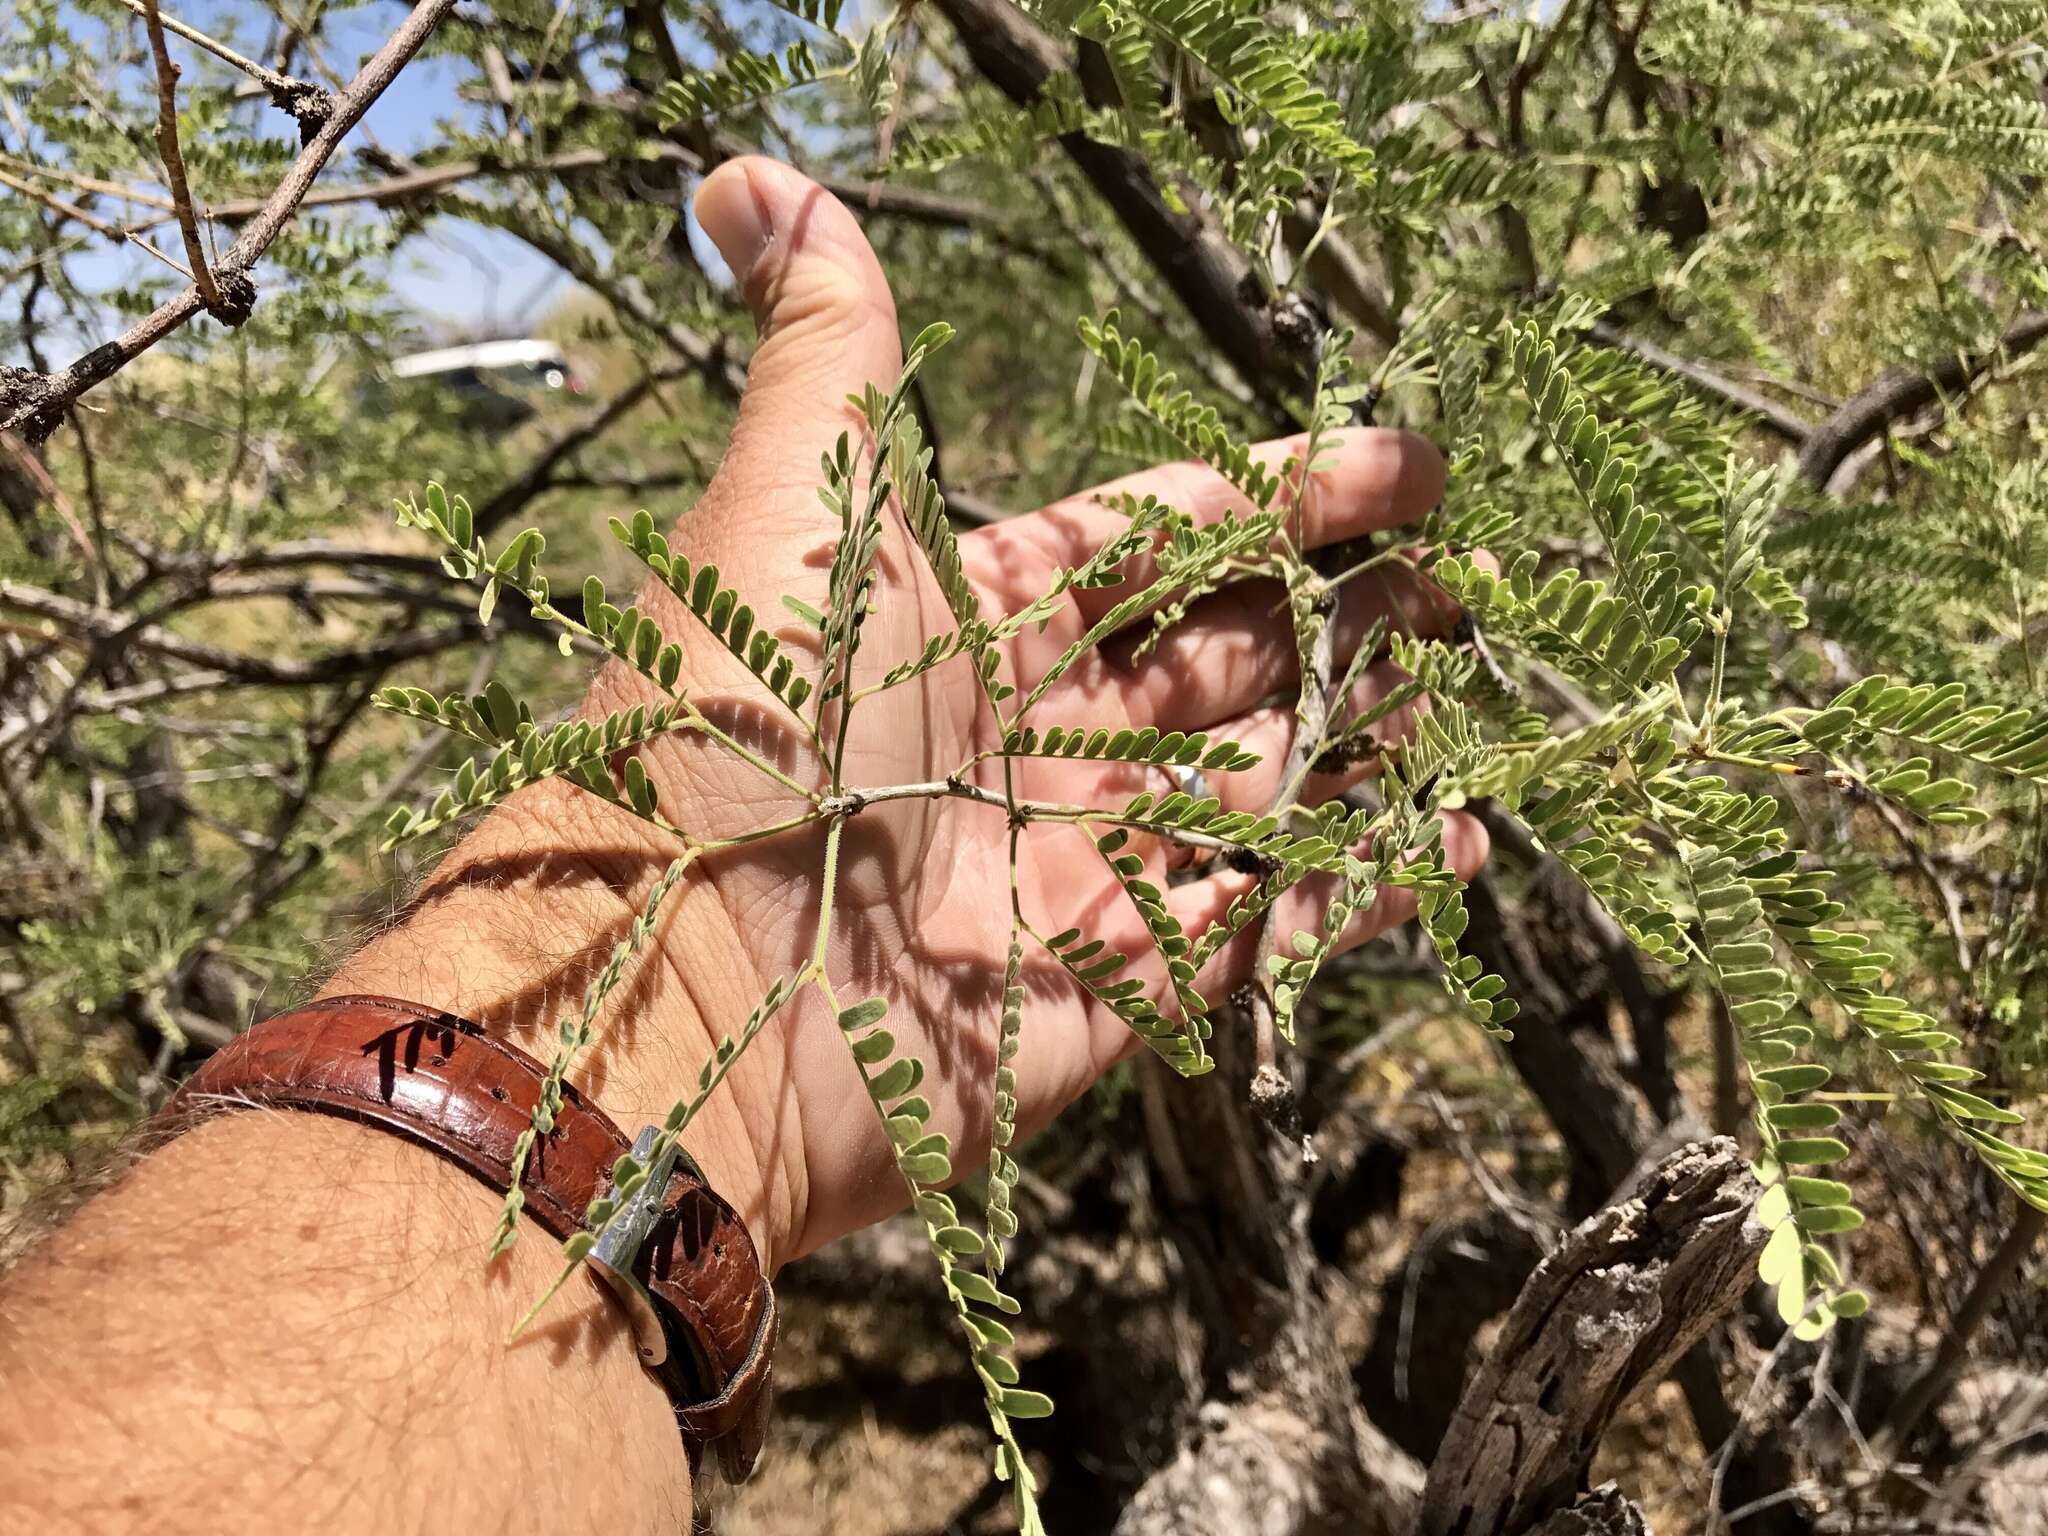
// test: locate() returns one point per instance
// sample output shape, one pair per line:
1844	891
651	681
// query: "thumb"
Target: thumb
826	317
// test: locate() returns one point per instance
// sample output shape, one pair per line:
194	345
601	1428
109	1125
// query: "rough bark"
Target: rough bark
1606	1511
1615	1306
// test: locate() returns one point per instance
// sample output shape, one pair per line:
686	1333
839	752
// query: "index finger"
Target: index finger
1371	478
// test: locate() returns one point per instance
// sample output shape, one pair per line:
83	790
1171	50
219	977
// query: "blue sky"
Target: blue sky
460	277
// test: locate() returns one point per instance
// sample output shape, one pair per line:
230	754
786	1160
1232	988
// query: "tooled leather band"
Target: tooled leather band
440	1081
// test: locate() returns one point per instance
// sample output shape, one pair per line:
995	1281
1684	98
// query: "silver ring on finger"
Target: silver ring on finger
1192	782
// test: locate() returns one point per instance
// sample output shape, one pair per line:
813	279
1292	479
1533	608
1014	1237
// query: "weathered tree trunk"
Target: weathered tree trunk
1620	1300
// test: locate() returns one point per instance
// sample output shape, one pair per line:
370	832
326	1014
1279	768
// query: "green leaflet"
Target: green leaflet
1655	604
742	79
1002	1163
922	1160
1197	427
582	750
1937	716
1761	998
573	1036
1150	745
1254	61
1179	1045
719	608
1581	623
630	1173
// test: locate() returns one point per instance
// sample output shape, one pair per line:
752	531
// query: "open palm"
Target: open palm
924	893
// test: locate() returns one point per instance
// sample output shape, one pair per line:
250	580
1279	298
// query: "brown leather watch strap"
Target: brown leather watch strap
441	1081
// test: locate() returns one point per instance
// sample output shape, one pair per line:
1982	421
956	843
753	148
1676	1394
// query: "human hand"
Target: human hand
923	901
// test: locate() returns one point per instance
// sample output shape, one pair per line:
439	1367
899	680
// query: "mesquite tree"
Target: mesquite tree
1722	313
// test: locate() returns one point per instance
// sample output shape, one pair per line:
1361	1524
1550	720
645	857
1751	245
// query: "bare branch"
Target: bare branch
1336	267
84	183
91	221
84	625
173	157
306	102
62	209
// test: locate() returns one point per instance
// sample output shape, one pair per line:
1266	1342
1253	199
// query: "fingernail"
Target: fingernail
731	213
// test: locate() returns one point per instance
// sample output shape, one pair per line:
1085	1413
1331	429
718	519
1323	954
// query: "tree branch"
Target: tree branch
1207	272
513	496
87	625
173	157
1774	417
34	403
1898	393
304	101
1939	1375
91	221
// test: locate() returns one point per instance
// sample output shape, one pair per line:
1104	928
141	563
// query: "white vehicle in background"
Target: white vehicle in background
495	382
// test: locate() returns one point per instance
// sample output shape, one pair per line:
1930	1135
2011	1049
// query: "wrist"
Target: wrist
511	927
295	1283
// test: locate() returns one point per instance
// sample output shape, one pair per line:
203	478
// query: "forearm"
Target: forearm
285	1322
281	1320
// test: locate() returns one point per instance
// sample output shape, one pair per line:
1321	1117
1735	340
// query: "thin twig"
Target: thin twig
1933	1383
85	625
167	73
1788	425
97	225
294	96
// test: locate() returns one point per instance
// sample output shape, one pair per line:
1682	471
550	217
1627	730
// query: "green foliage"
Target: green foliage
1935	715
583	750
1167	749
573	1036
1158	392
1002	1163
1253	63
1654	608
1785	727
923	1160
742	79
1178	1044
1791	1129
717	607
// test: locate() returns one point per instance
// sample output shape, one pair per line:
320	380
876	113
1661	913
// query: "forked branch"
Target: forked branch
307	102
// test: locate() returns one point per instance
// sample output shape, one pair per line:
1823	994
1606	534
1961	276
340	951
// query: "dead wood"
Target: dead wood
1629	1291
